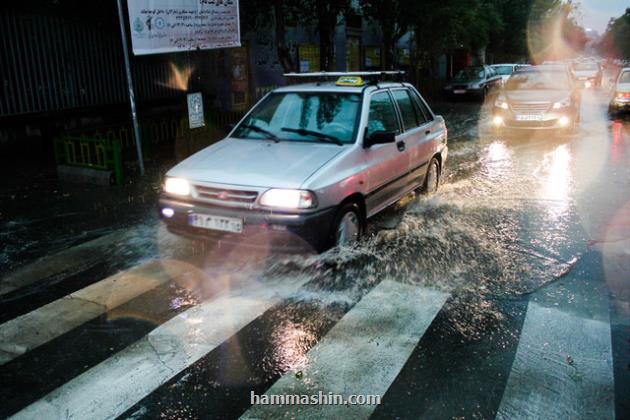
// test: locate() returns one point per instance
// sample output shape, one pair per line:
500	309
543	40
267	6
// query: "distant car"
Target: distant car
587	74
620	101
477	81
538	97
309	165
505	70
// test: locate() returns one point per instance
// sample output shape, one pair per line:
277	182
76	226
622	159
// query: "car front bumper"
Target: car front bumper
464	91
546	121
620	105
284	232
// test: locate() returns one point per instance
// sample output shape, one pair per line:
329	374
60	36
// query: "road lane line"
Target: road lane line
361	355
116	384
562	368
35	328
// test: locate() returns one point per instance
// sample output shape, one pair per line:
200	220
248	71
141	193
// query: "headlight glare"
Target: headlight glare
288	199
177	186
565	103
500	103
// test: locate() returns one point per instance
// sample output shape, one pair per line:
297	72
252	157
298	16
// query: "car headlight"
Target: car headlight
288	199
500	103
565	103
177	186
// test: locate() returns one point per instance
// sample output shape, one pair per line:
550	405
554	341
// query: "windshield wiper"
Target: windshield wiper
320	136
257	129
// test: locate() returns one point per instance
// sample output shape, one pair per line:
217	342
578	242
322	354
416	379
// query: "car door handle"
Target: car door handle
427	132
401	146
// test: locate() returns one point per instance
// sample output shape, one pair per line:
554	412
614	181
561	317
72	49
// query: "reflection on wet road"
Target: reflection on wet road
503	295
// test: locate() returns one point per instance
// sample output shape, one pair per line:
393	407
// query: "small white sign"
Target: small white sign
195	110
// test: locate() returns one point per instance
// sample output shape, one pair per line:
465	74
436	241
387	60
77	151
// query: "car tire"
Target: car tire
432	177
348	226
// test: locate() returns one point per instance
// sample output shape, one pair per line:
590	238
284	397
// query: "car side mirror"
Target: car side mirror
379	137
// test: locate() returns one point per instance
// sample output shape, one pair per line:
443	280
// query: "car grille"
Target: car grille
226	196
530	108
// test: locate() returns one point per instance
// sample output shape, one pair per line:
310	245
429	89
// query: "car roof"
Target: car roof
333	87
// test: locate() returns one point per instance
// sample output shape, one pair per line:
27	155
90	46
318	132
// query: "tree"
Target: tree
256	16
326	14
616	40
394	19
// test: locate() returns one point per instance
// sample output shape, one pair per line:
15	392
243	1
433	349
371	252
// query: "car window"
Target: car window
407	109
423	112
382	116
538	80
503	70
470	73
281	114
625	77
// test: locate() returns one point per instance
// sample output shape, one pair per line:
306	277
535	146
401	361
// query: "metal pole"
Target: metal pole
132	98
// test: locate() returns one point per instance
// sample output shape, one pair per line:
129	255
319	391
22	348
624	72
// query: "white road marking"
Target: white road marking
67	263
35	328
362	354
562	368
116	384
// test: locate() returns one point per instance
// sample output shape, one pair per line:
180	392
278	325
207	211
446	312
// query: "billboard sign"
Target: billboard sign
161	26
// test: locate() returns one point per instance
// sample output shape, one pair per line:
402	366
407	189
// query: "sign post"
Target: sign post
132	98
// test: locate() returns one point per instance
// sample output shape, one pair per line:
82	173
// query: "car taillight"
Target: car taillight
623	95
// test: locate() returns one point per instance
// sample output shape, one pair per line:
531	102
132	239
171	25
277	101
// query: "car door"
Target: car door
414	133
388	164
430	140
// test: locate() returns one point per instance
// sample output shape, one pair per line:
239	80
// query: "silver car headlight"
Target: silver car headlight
177	186
288	199
565	103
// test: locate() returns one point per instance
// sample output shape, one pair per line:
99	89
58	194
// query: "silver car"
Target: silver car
309	165
620	101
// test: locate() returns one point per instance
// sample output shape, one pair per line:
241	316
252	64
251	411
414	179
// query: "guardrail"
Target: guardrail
94	153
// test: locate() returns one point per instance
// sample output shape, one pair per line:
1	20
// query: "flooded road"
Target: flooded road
505	294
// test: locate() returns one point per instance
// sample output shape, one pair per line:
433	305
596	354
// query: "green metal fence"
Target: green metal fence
96	153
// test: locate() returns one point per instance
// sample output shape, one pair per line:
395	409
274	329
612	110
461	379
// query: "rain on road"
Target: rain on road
510	281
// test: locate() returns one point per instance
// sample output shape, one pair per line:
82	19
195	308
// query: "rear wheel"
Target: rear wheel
432	178
348	226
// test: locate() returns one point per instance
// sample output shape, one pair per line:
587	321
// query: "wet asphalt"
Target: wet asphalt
539	218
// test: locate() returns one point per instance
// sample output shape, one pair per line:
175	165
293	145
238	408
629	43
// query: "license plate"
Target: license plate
459	91
208	221
583	78
529	117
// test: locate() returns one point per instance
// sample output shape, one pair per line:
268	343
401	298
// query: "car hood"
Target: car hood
256	163
585	73
623	87
543	95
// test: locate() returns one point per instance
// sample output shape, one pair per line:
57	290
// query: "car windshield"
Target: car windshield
625	77
537	80
503	70
303	116
470	73
585	66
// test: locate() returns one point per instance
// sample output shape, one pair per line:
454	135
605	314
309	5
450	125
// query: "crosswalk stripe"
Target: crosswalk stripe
68	262
116	384
35	328
562	368
361	355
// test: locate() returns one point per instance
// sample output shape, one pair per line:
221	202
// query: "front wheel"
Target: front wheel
348	225
432	178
